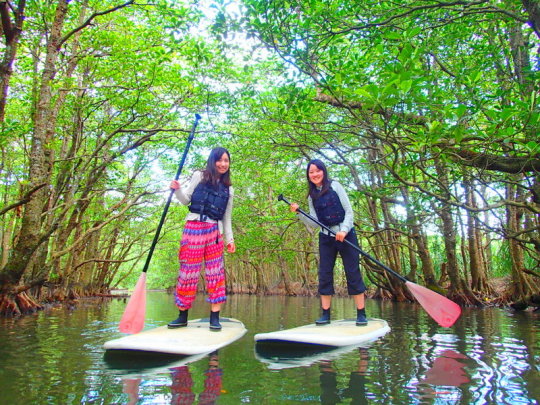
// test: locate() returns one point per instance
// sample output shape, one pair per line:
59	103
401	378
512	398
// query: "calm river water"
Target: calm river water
490	356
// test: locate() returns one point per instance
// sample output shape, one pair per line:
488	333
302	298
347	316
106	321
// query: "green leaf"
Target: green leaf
461	110
405	86
405	53
413	32
433	126
506	113
533	146
393	35
364	92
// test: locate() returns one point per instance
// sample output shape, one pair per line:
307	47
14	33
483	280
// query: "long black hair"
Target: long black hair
312	188
210	174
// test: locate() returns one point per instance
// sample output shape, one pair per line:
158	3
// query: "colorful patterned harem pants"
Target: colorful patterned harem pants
201	243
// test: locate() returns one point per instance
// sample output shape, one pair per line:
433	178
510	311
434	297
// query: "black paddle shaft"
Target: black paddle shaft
388	269
168	203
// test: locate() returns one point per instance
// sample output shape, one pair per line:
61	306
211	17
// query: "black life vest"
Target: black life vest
210	201
328	208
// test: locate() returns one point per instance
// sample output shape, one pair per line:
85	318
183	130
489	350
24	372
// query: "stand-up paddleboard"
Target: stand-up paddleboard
337	333
195	338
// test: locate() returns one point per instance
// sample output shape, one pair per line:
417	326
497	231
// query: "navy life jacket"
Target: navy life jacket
210	201
328	208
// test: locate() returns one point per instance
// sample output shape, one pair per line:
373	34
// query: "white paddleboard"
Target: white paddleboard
195	338
337	333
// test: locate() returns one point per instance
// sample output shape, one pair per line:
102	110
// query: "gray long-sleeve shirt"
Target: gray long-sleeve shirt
348	221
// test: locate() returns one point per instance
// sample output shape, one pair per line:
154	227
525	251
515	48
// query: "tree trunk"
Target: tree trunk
458	290
479	282
7	235
86	274
32	235
12	31
522	286
419	237
104	269
414	232
533	8
285	279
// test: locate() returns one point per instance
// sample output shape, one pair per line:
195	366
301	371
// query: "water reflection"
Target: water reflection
129	362
279	356
182	383
182	379
489	356
130	386
283	355
446	372
356	387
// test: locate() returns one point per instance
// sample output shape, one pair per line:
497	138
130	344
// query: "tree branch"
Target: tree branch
513	165
91	18
465	10
24	200
352	105
7	26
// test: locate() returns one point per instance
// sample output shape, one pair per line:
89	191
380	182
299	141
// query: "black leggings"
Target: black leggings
328	250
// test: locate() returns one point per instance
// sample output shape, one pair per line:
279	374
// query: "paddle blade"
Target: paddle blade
444	311
133	319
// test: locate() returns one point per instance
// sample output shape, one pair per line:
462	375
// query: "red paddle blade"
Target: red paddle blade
444	311
133	319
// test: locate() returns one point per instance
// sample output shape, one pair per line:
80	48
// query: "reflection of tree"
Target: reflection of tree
531	339
182	383
356	390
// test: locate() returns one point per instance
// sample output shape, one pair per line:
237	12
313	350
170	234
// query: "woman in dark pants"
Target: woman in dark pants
330	205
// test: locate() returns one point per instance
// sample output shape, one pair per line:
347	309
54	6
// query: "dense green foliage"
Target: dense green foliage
426	111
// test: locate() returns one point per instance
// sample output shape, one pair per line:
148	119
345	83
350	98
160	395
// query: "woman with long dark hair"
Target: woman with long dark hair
208	229
330	205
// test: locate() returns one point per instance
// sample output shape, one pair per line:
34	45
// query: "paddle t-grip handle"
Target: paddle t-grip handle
281	198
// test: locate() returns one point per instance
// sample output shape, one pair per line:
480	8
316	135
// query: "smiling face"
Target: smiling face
222	165
315	175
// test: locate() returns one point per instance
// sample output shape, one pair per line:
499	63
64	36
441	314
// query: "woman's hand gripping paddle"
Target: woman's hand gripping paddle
444	311
133	318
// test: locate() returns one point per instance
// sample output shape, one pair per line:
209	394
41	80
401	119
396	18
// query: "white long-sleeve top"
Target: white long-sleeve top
225	225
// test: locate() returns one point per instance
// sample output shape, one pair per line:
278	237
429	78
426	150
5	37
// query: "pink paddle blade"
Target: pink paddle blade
444	311
133	319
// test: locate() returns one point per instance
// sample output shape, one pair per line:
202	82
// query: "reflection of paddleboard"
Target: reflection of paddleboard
338	333
195	338
282	356
145	363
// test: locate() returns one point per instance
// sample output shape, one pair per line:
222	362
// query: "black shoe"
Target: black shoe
325	318
214	321
180	321
361	319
